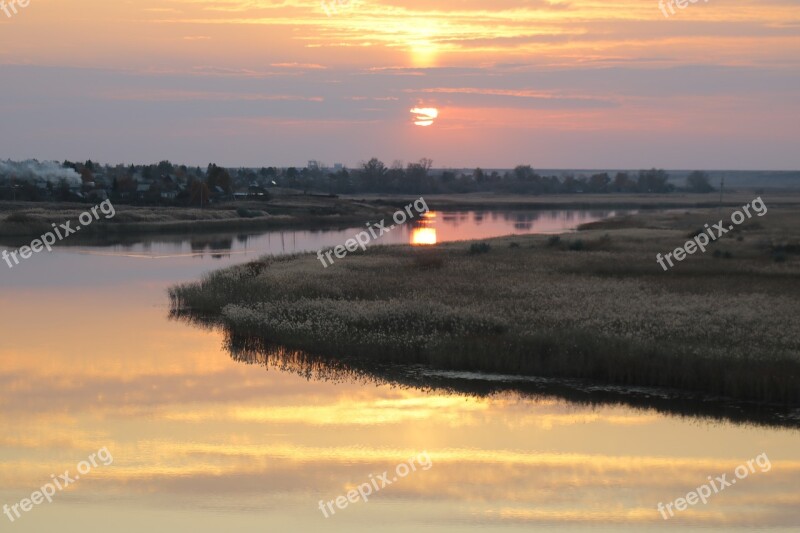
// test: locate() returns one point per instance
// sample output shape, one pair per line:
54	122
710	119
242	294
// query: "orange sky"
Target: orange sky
578	84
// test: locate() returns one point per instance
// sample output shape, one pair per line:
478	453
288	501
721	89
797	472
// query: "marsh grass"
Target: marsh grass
24	219
608	314
480	248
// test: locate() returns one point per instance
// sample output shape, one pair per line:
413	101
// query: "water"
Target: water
203	442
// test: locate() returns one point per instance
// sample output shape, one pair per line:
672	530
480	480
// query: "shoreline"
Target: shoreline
31	220
322	212
589	305
254	350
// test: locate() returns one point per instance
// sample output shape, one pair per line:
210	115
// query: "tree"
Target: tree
62	191
599	182
417	176
653	180
524	173
699	181
372	174
219	177
340	181
198	193
624	183
165	167
395	176
570	184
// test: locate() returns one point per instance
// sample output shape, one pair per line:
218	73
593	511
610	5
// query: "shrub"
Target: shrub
553	240
479	248
513	245
577	246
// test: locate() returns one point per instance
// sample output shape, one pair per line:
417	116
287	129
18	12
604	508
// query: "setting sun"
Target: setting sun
425	115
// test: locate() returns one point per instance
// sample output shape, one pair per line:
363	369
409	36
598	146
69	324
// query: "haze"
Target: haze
578	84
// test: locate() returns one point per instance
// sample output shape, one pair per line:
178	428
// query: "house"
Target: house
142	190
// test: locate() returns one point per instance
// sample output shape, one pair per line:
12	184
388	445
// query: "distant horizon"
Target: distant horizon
327	165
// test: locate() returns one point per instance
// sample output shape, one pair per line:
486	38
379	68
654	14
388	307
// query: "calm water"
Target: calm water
202	442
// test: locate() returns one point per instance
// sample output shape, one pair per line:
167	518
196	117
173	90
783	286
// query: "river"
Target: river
199	441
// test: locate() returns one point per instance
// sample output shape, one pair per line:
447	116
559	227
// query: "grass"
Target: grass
607	314
21	221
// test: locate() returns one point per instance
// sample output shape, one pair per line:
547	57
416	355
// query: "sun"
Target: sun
423	53
425	115
422	40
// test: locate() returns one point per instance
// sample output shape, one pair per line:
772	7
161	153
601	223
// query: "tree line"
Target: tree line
374	176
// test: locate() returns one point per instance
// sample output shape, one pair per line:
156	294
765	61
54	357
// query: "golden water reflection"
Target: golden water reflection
203	442
423	231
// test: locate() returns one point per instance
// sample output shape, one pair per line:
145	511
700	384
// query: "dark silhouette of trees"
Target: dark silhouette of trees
417	178
699	181
653	180
219	177
371	175
623	183
599	182
165	168
199	194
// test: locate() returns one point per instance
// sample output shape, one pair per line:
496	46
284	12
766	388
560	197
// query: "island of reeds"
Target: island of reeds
590	305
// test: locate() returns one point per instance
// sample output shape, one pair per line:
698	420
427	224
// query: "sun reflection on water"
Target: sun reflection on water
424	231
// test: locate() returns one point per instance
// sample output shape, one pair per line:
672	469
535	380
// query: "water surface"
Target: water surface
203	442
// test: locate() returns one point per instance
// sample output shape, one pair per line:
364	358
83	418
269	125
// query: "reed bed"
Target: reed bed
601	311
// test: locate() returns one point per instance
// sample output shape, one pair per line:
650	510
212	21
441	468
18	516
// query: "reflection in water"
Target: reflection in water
256	350
203	443
216	246
423	231
438	227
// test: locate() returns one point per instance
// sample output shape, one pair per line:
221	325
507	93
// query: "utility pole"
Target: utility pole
721	190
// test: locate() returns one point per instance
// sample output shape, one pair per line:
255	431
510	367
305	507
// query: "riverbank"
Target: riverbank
21	221
593	305
629	201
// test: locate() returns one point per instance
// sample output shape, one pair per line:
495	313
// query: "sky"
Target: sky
555	84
